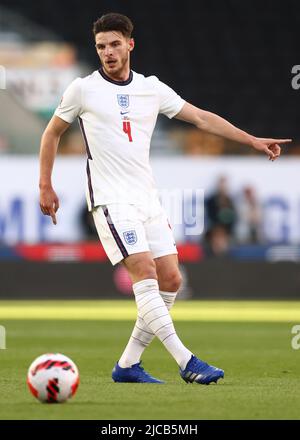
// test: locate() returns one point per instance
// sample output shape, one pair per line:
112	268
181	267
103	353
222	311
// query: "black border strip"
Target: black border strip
88	171
115	232
95	429
88	151
117	83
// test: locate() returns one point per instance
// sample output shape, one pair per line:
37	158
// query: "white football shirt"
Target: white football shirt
117	120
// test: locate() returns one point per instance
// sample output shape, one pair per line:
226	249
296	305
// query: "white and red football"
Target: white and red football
53	378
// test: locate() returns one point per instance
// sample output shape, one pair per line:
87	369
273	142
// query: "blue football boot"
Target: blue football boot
133	374
200	372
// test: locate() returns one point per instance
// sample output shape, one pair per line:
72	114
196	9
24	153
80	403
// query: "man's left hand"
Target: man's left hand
270	146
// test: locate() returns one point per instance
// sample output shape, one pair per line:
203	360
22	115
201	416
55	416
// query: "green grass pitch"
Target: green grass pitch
250	340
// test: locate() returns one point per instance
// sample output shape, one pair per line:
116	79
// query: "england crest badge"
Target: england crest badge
130	237
123	101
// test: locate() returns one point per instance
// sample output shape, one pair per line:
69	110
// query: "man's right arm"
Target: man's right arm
49	202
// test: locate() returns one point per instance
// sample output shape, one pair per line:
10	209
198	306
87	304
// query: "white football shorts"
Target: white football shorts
126	229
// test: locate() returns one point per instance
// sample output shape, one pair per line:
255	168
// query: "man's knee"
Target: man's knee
146	270
140	268
170	281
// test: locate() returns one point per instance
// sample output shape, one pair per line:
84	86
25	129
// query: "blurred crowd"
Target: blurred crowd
231	220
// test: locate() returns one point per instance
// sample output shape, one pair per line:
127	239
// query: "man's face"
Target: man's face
113	50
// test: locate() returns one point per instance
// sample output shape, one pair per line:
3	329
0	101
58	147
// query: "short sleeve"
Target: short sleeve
70	105
170	103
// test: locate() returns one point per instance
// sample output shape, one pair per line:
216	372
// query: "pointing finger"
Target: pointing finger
281	141
53	216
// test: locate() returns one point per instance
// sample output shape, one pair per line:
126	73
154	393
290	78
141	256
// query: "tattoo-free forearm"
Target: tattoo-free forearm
48	150
214	124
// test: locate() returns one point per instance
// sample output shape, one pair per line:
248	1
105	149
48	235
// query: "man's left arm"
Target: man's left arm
212	123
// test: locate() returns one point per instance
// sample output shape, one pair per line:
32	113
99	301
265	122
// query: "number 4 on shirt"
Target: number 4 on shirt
127	129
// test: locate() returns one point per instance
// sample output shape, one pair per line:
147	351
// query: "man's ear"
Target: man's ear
131	44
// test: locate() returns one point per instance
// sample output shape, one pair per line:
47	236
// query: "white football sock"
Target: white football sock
142	336
152	309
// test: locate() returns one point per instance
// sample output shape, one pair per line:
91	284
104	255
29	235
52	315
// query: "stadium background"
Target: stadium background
233	58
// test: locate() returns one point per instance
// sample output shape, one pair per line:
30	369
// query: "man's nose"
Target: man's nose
108	50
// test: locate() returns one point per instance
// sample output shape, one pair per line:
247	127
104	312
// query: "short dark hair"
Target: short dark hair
113	22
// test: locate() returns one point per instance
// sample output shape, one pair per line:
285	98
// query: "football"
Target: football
53	378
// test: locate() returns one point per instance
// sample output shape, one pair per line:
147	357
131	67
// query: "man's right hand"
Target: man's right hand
49	202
